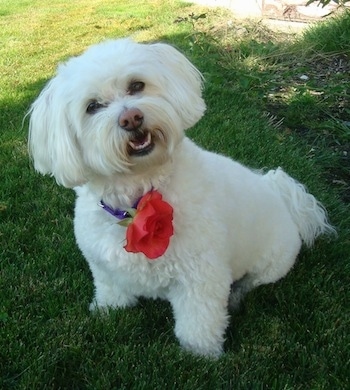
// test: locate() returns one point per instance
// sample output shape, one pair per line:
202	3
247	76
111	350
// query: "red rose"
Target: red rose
151	228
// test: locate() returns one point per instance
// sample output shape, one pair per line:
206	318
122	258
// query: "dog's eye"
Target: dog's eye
94	106
135	87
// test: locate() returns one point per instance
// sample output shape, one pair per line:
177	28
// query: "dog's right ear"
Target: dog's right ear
52	141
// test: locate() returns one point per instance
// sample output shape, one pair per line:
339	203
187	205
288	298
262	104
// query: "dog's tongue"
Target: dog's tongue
141	141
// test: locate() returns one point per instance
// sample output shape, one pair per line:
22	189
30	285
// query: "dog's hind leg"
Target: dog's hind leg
239	289
269	269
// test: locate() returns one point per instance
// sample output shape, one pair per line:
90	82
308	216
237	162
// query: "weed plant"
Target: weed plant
290	335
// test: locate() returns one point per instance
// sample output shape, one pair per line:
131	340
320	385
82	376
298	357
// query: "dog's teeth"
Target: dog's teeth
138	146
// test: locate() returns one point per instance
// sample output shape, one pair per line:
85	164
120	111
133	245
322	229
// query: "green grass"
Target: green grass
291	335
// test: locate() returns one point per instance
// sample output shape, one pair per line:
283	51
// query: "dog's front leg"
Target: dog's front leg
109	292
201	317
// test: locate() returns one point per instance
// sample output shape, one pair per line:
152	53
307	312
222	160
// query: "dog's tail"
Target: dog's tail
307	212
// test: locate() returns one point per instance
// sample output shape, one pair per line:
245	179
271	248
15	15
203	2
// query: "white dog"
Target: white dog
111	124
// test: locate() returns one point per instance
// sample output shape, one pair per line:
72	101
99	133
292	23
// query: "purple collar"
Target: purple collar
118	213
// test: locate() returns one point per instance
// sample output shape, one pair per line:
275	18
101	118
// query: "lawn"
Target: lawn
274	99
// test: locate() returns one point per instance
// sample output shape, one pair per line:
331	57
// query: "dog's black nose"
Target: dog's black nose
131	119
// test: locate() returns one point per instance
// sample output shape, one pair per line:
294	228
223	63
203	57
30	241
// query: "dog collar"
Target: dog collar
118	213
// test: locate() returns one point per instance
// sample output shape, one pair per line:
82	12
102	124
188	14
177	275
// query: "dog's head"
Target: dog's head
120	107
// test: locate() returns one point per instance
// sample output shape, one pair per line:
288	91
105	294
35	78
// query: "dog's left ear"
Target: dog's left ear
184	83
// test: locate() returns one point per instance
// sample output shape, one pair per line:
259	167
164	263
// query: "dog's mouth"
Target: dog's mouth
141	143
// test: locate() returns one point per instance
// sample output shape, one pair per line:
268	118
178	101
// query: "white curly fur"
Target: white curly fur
229	221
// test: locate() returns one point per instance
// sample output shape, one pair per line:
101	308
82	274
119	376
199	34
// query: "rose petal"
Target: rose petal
152	195
130	241
154	248
160	226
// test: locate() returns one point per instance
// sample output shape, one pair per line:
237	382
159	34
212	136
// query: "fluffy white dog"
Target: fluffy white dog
111	124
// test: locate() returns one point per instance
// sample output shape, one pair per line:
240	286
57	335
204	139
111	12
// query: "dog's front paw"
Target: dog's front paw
200	324
196	347
95	308
200	339
103	306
